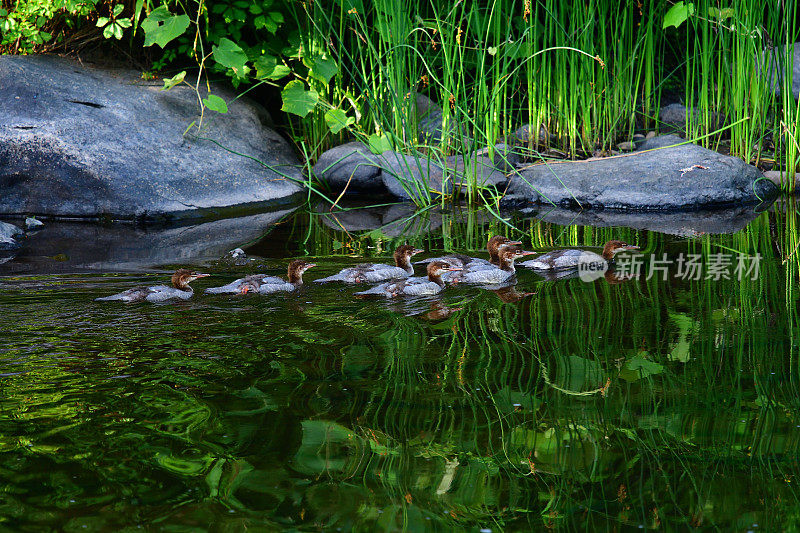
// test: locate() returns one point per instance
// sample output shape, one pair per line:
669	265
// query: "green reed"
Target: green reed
589	75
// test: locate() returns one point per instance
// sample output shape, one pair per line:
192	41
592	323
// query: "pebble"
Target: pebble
33	223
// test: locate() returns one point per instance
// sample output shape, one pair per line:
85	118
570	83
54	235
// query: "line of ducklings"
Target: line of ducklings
393	280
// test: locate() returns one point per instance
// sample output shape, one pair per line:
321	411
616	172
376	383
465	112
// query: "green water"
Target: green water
585	406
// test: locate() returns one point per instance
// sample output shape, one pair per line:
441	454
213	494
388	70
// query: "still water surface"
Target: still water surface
647	403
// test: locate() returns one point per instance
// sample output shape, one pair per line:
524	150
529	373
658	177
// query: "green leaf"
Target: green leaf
117	31
215	103
267	68
173	81
575	374
161	27
639	367
379	143
297	100
322	68
102	21
230	55
124	23
678	14
117	10
108	32
337	120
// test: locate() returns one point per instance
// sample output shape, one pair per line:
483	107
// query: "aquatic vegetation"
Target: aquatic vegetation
667	404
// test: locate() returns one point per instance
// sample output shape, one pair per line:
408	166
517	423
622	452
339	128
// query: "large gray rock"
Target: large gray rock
415	177
775	62
686	176
77	141
352	166
430	124
7	234
675	115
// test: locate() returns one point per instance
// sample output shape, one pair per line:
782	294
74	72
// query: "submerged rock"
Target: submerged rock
7	234
78	141
686	176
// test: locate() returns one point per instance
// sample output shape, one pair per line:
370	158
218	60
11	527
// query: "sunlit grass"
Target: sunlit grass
588	75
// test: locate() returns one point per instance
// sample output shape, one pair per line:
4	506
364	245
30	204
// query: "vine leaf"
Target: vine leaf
297	100
161	27
174	80
215	103
337	120
230	55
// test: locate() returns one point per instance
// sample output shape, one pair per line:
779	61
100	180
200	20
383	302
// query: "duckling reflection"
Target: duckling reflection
510	294
611	276
438	312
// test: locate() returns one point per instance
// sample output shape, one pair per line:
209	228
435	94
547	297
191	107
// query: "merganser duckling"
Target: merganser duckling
563	259
373	273
180	289
264	284
433	284
496	244
495	274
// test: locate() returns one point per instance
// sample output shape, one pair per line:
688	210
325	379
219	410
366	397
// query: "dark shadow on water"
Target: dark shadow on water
77	247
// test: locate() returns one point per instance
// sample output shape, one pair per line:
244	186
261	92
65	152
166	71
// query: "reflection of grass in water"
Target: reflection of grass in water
599	428
585	406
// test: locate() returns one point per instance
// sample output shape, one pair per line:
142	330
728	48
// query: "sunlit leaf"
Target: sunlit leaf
174	80
215	103
161	27
297	99
678	14
230	55
267	67
379	144
337	120
321	68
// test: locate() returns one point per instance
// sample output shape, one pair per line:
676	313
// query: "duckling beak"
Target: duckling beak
630	247
452	269
514	242
416	251
311	265
528	253
198	276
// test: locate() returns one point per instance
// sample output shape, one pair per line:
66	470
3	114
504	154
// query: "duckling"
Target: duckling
180	289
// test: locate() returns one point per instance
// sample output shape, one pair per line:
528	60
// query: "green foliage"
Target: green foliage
113	26
161	27
215	103
297	99
678	14
230	55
